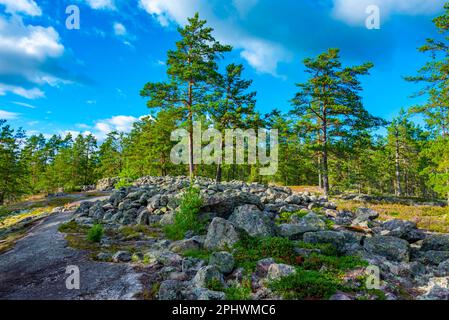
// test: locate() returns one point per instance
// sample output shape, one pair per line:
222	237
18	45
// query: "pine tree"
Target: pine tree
330	104
192	69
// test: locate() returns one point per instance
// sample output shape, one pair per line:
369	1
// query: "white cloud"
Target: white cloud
262	55
26	105
34	93
28	7
6	115
25	52
101	4
117	123
244	6
353	12
119	29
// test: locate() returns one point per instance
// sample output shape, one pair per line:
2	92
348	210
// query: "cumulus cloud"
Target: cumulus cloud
28	7
28	57
261	54
101	4
353	12
6	115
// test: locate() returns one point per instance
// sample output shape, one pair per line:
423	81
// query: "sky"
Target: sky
55	80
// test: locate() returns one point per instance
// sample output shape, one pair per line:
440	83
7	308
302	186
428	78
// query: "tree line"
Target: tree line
327	138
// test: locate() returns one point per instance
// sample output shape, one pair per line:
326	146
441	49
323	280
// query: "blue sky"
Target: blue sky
54	80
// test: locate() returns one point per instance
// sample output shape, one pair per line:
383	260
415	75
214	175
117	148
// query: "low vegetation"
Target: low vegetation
95	233
186	218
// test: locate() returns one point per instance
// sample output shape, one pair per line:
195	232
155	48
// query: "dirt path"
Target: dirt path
36	269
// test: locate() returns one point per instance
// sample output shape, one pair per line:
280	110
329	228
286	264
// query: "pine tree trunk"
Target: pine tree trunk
325	161
191	165
398	173
219	165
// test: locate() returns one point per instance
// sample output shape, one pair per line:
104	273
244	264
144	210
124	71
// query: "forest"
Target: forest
327	138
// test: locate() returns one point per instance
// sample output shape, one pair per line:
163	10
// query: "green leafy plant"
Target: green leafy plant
215	285
186	218
239	291
95	233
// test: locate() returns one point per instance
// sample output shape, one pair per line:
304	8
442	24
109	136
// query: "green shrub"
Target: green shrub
333	263
324	248
239	292
285	217
306	284
197	253
95	233
215	285
249	250
186	218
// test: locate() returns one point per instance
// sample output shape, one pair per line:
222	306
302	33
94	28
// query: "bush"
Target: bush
249	250
306	284
239	292
333	263
186	218
95	233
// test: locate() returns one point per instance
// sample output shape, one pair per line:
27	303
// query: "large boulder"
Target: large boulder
224	204
392	248
334	238
406	230
106	184
171	290
432	257
438	242
364	215
253	221
221	234
310	223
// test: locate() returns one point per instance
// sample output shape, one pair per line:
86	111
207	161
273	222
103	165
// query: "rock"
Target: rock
104	256
224	261
392	248
334	238
184	245
438	242
203	294
221	235
432	257
364	215
406	230
122	256
310	223
263	266
106	184
436	293
277	271
206	275
143	217
224	204
294	199
340	297
191	264
167	219
253	221
171	290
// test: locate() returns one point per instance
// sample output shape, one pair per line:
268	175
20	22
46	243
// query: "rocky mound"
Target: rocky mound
412	262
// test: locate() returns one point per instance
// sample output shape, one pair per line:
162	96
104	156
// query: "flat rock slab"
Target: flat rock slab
36	269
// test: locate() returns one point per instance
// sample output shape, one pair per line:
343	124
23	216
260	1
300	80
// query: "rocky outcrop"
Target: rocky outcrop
235	210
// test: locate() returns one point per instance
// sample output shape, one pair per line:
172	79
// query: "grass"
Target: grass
198	254
72	227
186	218
135	232
430	218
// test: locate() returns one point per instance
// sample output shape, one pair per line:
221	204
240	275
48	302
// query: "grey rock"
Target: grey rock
253	221
122	256
263	266
221	234
206	275
392	248
278	270
334	238
364	215
436	243
171	290
432	257
406	230
224	261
